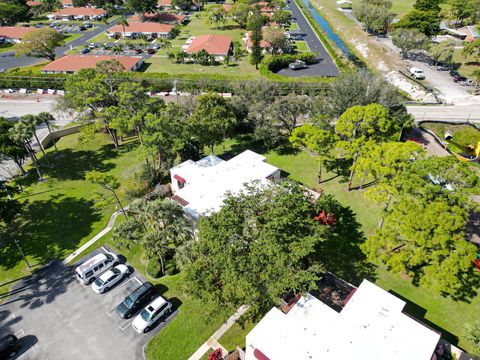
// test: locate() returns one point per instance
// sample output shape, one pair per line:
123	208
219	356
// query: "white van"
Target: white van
417	73
90	269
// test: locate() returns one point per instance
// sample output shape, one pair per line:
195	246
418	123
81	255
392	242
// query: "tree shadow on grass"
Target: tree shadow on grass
49	228
340	252
418	313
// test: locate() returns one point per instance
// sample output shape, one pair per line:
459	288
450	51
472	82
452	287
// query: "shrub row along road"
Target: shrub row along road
8	59
325	67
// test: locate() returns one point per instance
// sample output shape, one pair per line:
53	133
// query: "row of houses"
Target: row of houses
14	34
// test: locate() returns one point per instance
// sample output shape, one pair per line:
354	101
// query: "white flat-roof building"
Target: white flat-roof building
371	326
201	186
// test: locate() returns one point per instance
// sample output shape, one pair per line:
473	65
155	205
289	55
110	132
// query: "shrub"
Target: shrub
216	355
275	63
170	267
153	268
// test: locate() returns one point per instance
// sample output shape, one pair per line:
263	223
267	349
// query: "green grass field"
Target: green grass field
58	215
6	47
294	26
301	46
467	64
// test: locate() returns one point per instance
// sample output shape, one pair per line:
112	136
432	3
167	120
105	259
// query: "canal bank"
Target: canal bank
343	55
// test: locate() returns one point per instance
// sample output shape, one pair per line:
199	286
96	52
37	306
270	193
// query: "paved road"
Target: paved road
325	67
455	113
8	60
14	108
56	317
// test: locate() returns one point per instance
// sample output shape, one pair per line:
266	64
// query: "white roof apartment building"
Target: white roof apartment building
201	186
371	326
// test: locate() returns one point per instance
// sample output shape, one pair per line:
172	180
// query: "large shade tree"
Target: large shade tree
256	248
361	125
211	120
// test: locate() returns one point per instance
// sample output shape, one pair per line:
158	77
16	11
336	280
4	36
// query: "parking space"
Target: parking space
56	317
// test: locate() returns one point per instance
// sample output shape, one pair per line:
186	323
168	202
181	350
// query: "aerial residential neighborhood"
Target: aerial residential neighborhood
224	180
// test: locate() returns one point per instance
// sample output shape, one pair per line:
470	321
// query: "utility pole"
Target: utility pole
17	242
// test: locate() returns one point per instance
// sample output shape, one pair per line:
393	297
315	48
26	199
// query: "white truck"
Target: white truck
417	73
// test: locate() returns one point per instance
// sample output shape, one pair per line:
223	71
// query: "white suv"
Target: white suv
154	311
417	73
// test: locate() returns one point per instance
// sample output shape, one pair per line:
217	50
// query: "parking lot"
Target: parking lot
55	317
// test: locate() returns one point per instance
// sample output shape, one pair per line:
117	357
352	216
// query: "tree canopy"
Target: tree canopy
256	248
40	43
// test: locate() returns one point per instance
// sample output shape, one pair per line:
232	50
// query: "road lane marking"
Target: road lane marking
19	333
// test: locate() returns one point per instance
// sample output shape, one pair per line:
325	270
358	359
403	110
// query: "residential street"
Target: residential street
325	67
459	113
8	60
13	108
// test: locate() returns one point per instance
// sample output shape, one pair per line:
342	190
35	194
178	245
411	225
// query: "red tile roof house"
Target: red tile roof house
72	63
219	46
32	3
80	13
265	45
165	4
167	18
14	34
136	28
471	34
67	3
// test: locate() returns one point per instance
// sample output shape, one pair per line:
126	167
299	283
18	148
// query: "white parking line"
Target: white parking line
19	333
7	319
125	324
110	314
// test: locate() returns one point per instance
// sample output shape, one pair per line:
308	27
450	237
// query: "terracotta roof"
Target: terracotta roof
164	2
33	3
86	11
227	7
15	32
66	2
263	44
162	17
213	44
142	27
78	62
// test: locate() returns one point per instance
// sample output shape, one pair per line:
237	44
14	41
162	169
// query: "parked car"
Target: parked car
88	25
106	46
85	51
297	65
155	47
417	73
2	70
9	346
92	46
151	51
454	73
136	300
443	68
82	28
154	311
138	51
296	36
459	78
109	278
90	269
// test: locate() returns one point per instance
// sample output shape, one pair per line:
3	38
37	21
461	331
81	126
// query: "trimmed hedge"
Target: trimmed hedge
153	268
278	62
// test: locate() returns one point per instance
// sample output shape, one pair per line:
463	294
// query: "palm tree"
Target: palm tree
22	133
47	119
31	120
165	43
124	22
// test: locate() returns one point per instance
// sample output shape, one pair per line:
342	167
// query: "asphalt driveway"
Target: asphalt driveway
325	65
55	317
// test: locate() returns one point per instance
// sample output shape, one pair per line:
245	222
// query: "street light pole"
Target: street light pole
17	242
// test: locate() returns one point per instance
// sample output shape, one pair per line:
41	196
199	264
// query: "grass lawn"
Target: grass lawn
294	26
26	70
235	336
467	64
70	37
462	134
301	46
58	215
400	7
6	47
